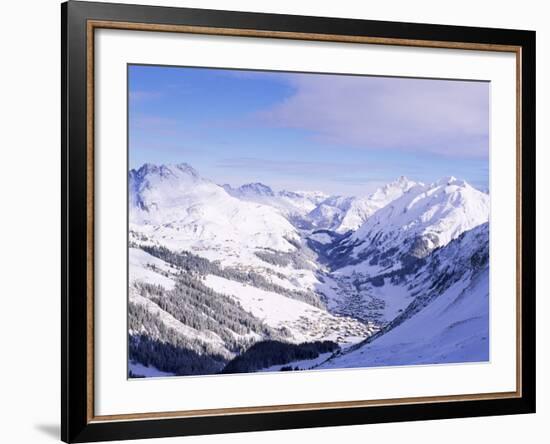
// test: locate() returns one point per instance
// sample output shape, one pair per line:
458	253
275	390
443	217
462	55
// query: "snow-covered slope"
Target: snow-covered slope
361	208
143	267
147	269
192	242
328	213
172	205
292	204
423	218
302	322
215	269
317	210
347	213
448	318
454	328
213	318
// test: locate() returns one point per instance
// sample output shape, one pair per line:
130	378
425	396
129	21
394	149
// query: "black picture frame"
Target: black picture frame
76	423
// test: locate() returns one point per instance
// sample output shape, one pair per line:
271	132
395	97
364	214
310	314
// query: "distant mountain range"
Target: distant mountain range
216	269
316	209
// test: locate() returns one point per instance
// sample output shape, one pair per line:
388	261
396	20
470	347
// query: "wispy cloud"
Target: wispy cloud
293	167
154	122
444	117
336	133
144	95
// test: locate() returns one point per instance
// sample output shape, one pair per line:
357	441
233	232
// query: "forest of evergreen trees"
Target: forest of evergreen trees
201	308
192	264
176	359
191	302
198	306
267	353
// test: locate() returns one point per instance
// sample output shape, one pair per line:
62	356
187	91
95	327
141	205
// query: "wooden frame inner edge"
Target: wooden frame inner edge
94	24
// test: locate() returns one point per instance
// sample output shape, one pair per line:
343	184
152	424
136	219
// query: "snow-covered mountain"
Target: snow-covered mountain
250	191
423	218
172	205
317	210
328	213
294	205
347	213
215	270
361	208
191	241
447	316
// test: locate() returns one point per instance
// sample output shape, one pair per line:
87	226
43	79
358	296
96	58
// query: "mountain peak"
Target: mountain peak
449	180
435	214
256	188
402	179
184	168
146	168
393	190
402	182
167	170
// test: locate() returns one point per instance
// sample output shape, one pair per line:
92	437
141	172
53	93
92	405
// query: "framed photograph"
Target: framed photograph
275	221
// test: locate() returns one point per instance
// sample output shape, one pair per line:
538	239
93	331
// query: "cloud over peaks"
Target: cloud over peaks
445	117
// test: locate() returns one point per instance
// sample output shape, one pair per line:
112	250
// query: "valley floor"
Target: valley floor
453	329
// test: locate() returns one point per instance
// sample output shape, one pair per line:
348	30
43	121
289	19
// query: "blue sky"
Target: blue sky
335	133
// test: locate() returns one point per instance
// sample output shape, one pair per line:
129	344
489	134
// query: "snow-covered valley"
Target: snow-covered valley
253	279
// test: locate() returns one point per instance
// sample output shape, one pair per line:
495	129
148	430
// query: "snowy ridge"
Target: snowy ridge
438	212
289	203
300	266
303	322
361	209
448	321
320	211
422	219
329	213
173	206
